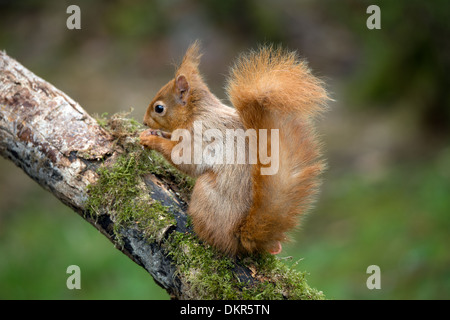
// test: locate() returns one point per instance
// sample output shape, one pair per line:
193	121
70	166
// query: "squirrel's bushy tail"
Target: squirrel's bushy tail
273	89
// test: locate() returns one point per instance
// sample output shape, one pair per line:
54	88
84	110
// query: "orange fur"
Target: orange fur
272	89
233	206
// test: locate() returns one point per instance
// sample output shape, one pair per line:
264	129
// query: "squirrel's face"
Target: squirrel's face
167	110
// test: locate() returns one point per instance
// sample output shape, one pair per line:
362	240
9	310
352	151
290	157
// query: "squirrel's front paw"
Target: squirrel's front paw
149	138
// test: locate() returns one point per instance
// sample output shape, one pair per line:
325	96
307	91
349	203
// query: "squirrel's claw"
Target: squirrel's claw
155	132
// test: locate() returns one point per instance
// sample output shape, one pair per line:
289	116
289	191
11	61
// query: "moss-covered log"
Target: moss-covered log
132	196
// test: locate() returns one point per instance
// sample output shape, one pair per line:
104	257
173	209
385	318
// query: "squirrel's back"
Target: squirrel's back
273	89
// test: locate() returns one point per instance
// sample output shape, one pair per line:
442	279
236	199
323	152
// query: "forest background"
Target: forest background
386	195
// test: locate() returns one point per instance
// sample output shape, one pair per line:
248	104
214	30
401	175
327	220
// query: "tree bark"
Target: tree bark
60	146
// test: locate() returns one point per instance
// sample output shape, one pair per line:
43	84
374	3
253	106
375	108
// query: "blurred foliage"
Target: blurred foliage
406	63
398	221
35	251
385	197
248	18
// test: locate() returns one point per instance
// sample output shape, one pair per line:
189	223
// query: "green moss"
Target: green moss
285	281
102	119
210	275
120	191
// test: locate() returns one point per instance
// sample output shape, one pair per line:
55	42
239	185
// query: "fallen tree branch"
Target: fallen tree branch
131	196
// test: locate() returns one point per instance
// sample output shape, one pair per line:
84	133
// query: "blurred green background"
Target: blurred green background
386	194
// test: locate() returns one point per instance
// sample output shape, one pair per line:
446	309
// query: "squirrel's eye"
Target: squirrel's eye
159	108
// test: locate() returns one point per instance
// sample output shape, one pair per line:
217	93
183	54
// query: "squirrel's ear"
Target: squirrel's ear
182	88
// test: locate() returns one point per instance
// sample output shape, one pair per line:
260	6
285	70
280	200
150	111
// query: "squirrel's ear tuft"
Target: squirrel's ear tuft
191	59
193	55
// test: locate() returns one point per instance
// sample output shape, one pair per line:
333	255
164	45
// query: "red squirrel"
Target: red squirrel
234	207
